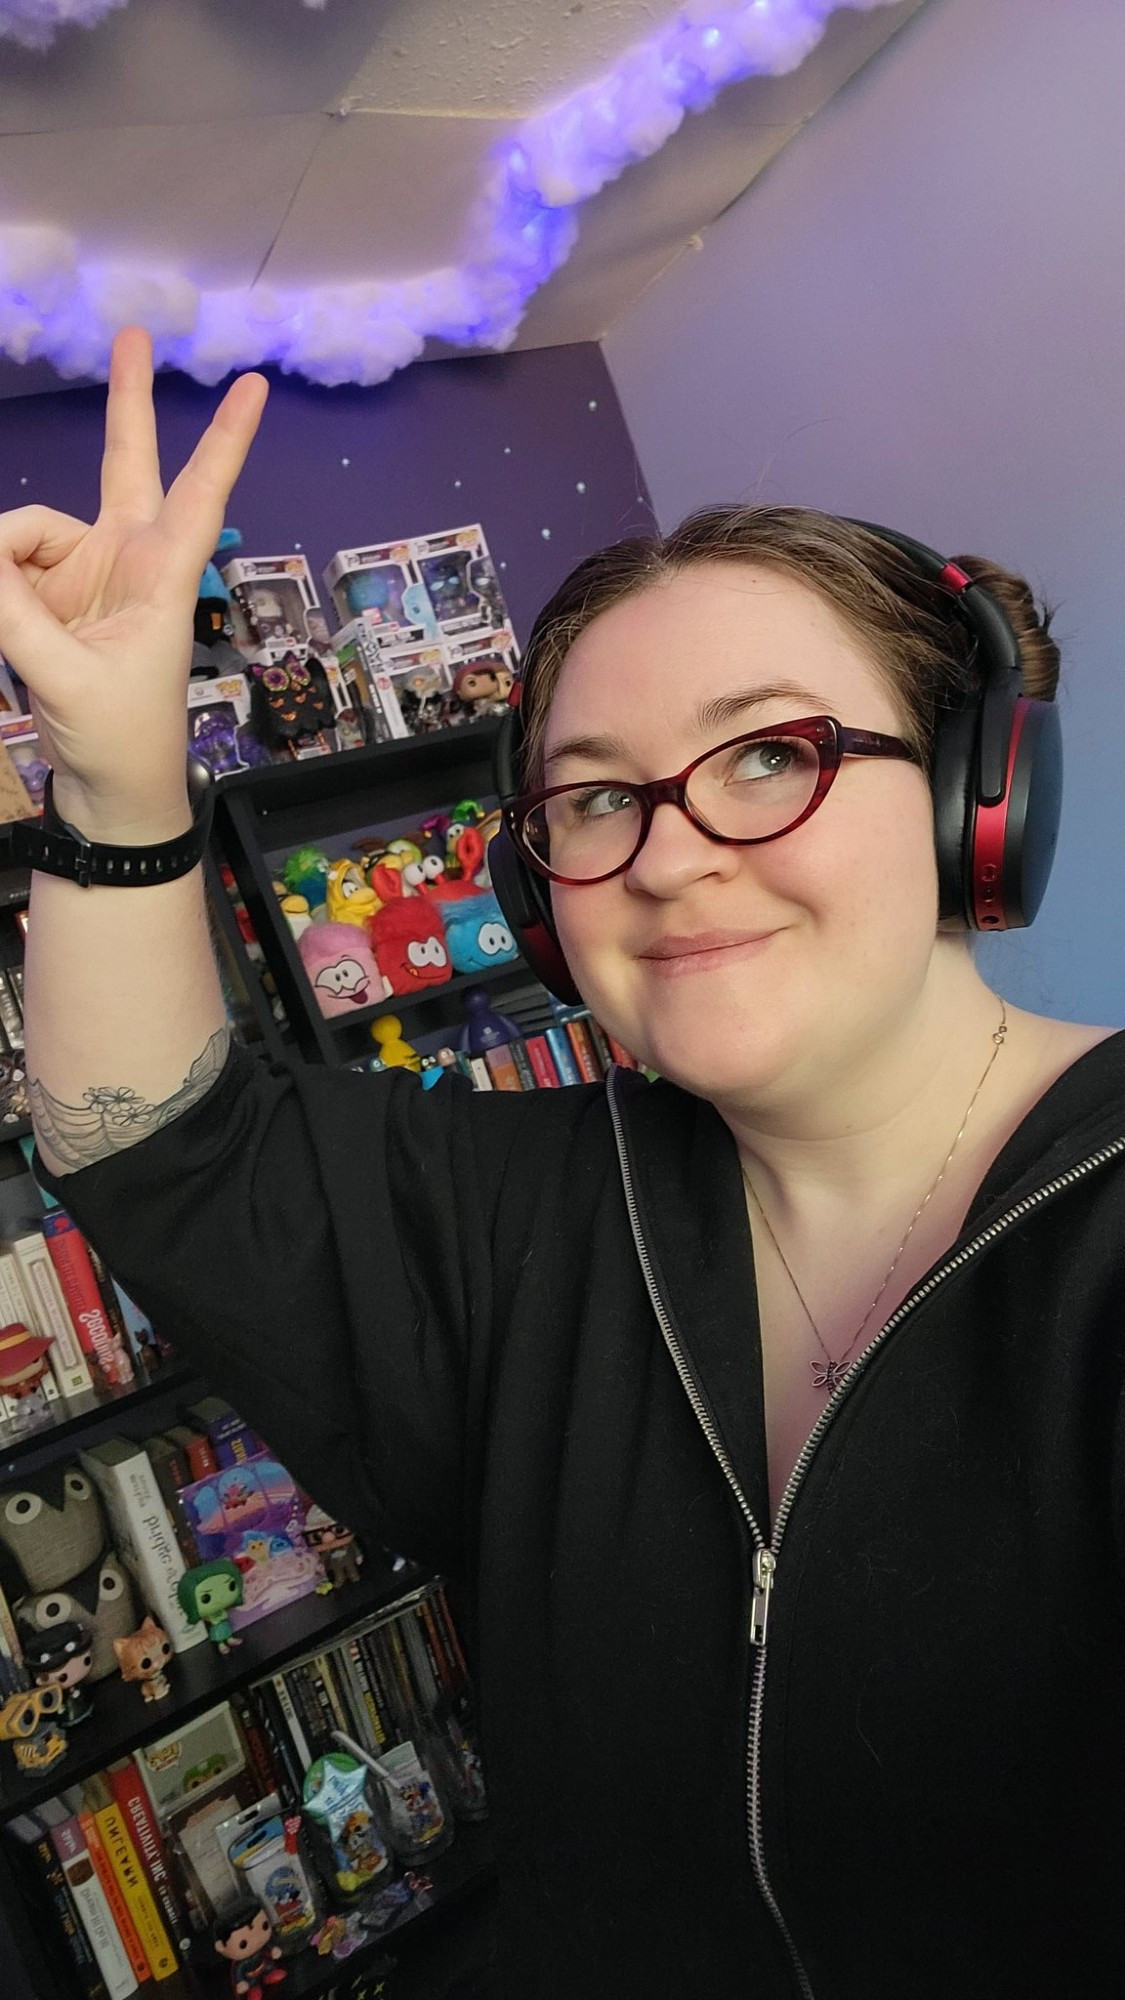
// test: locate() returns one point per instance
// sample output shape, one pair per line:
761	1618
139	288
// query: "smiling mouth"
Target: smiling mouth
709	951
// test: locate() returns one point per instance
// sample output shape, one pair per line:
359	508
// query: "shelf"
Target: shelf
430	1947
81	1413
275	786
201	1677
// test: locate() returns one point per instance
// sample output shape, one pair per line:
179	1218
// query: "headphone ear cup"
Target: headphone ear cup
1011	866
952	787
526	904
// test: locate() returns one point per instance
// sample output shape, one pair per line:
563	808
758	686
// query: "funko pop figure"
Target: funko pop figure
29	1722
143	1655
244	1937
62	1657
335	1544
207	1593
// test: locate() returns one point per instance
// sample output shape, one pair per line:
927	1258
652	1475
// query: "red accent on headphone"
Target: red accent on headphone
955	579
515	694
989	836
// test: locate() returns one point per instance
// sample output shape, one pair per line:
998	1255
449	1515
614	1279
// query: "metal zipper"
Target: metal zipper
764	1565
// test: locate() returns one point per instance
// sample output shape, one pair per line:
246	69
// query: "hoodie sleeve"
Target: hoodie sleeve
318	1243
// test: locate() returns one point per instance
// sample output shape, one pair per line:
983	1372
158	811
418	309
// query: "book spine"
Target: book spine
422	1673
564	1061
42	1287
145	1917
443	1665
114	1895
79	1288
542	1063
133	1800
283	1752
384	1724
501	1068
109	1300
522	1061
364	1699
257	1746
621	1055
292	1721
480	1073
11	1015
144	1539
324	1666
310	1697
448	1631
167	1467
601	1046
583	1048
93	1909
70	1924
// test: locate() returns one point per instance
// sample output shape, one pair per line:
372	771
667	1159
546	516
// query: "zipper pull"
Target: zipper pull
765	1566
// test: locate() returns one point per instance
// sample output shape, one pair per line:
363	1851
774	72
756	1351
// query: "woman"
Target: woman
767	1412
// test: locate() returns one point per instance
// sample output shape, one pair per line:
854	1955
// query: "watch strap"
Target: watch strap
52	847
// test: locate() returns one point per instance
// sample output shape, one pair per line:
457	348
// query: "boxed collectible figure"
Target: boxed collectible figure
362	653
219	730
254	1513
30	767
460	579
423	686
274	602
380	583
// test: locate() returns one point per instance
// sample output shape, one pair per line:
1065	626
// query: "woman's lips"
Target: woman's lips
704	951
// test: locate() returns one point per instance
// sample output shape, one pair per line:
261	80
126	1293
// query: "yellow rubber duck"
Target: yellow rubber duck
386	1033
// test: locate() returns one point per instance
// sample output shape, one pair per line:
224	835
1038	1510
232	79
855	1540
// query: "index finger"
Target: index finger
131	460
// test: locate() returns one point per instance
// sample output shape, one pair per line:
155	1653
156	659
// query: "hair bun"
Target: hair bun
1029	620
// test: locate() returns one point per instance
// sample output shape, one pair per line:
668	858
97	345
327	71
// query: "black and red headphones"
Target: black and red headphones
996	782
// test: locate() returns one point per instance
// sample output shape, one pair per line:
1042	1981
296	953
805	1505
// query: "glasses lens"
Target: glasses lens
751	790
584	831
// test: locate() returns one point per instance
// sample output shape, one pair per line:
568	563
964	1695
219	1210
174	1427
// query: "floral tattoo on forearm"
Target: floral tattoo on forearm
111	1116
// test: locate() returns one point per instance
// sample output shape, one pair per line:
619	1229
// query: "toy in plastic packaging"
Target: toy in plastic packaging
268	1858
348	1826
420	1823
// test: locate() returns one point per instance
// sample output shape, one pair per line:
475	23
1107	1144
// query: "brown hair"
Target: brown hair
907	622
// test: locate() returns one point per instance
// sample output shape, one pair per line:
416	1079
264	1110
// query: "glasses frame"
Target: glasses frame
832	740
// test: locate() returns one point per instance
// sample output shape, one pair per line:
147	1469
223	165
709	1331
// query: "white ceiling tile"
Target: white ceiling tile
160	195
385	196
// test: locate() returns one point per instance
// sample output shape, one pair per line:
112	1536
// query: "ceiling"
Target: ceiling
183	152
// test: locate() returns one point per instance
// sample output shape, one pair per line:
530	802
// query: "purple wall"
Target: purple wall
536	440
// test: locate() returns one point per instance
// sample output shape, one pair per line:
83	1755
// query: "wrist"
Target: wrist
123	822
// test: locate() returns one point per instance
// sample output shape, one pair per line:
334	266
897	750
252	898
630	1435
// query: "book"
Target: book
282	1750
172	1473
621	1055
601	1046
94	1911
49	1889
542	1062
258	1748
108	1293
196	1447
105	1351
113	1831
522	1061
501	1068
292	1721
585	1060
232	1440
115	1897
41	1288
128	1790
142	1532
560	1048
480	1074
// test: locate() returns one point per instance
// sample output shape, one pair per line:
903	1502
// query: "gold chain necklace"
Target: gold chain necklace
830	1371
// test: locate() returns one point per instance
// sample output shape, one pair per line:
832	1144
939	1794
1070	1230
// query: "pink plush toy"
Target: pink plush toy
341	967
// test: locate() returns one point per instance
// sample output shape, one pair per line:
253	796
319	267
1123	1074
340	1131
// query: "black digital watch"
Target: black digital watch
52	847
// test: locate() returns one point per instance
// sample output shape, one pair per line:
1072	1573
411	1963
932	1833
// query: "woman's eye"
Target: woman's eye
601	800
764	760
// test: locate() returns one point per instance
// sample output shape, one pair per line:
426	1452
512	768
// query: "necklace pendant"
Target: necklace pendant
827	1374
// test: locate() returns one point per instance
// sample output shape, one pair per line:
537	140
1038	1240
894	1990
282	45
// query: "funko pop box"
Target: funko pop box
274	604
381	584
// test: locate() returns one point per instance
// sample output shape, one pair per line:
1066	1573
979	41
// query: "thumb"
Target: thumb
31	637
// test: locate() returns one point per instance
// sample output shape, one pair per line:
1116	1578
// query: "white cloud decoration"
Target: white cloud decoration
58	306
35	23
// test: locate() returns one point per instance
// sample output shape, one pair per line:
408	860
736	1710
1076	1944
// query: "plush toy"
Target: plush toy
294	908
349	898
306	874
289	699
476	933
409	940
394	1052
54	1529
341	967
100	1597
143	1655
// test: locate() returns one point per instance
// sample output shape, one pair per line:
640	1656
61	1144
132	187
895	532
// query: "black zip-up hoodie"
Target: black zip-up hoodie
516	1336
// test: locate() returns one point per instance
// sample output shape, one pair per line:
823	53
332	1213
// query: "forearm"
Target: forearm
125	1020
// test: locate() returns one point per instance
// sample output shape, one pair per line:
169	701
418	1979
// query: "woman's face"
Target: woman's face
727	968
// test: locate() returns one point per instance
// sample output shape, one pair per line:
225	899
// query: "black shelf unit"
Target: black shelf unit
260	815
89	1413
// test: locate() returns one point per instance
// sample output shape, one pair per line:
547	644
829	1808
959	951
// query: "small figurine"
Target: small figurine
23	1365
484	1028
244	1937
62	1657
29	1722
350	899
335	1544
484	684
394	1052
143	1655
207	1593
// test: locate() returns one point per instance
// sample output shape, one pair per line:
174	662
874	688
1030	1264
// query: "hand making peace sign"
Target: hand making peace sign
97	620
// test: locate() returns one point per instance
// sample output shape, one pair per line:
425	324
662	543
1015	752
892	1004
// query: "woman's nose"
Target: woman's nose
675	852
